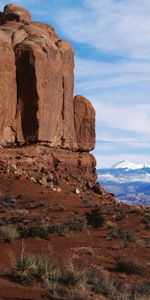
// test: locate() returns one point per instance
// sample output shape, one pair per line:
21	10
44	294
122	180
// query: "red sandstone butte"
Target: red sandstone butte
37	101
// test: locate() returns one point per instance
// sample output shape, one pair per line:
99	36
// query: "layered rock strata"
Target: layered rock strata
37	102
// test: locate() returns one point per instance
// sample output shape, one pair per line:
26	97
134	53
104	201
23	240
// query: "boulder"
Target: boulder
16	12
84	123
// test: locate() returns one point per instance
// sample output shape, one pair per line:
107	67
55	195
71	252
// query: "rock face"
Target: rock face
84	123
8	99
37	101
39	84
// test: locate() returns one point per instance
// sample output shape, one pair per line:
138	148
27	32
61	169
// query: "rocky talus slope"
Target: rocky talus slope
37	103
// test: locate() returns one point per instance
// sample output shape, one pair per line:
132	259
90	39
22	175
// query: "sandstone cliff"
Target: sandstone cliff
37	103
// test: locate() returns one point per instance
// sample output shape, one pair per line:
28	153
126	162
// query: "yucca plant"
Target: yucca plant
45	266
29	268
25	268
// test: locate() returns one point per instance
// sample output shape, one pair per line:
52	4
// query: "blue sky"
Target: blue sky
112	68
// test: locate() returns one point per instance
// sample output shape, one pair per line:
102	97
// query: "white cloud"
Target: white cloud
110	74
126	117
110	26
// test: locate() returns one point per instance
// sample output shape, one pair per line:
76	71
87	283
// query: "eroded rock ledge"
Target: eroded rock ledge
49	166
37	103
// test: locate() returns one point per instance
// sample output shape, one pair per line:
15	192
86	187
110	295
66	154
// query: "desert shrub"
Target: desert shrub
18	197
127	266
6	198
140	289
112	235
55	290
69	283
96	281
29	268
110	225
61	229
79	291
8	233
76	225
126	235
130	236
87	203
122	233
71	274
120	217
100	283
146	219
95	217
57	207
41	231
39	205
115	289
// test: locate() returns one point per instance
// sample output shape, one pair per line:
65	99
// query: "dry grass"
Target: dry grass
8	233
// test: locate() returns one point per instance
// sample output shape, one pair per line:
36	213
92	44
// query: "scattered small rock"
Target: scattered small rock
58	189
89	185
43	181
50	176
14	167
76	191
33	180
50	184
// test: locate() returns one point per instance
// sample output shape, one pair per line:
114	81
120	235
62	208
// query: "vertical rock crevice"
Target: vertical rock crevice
27	96
63	100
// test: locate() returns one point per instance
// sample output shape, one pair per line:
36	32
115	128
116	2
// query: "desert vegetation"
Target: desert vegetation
70	281
83	274
95	246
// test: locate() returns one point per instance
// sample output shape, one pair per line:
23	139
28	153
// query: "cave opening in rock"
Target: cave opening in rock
27	94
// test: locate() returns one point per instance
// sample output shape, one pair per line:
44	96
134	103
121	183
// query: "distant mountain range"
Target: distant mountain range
125	164
128	181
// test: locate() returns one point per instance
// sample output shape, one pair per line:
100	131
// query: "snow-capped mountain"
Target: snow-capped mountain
125	164
128	181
